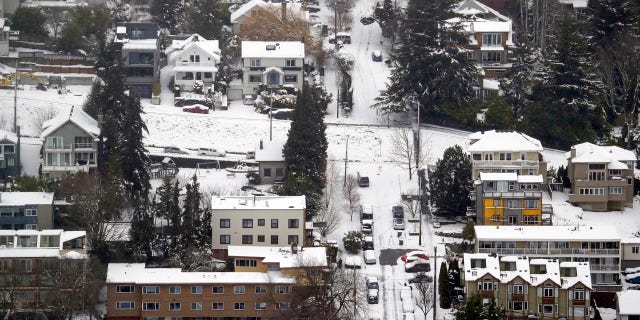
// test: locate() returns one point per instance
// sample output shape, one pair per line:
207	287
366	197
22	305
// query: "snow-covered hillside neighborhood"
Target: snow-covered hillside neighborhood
319	159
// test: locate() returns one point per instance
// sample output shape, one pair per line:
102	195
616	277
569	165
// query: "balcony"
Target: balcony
611	182
513	194
517	297
196	64
84	146
604	267
551	252
548	300
579	302
58	147
487	294
478	164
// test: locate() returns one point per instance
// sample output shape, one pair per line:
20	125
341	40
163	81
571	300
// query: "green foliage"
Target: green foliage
168	14
472	310
86	29
386	17
468	233
353	241
207	17
253	177
454	272
492	311
464	113
443	286
33	184
142	233
71	38
29	21
499	114
450	183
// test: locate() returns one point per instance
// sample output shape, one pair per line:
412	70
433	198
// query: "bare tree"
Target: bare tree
328	219
405	150
351	194
56	19
332	183
411	206
424	297
41	117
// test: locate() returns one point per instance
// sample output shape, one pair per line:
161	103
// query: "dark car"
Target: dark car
635	280
283	114
417	266
376	56
398	212
363	182
421	278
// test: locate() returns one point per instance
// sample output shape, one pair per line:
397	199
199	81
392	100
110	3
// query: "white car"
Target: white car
436	224
353	262
398	224
369	256
210	152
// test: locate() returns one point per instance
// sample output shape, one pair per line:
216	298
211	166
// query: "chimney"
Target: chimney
573	152
261	144
284	10
294	248
195	38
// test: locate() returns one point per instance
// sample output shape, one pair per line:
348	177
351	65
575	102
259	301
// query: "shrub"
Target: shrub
353	241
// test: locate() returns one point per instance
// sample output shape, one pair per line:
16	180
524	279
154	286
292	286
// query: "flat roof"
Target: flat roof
493	140
137	273
546	233
277	49
25	198
305	257
258	202
628	302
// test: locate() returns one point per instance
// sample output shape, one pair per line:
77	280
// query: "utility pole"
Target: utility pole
270	114
16	78
346	159
435	279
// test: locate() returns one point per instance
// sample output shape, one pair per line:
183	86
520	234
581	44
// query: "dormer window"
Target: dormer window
194	58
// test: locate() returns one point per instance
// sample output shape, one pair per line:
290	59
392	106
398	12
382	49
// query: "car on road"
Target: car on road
210	152
369	256
421	278
634	288
372	283
283	114
343	37
373	296
398	212
419	265
376	56
398	224
633	278
353	262
414	255
367	244
196	108
363	181
174	150
436	224
367	226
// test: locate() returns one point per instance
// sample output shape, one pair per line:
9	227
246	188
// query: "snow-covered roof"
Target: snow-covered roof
481	25
140	44
502	141
270	150
583	274
498	176
258	202
195	68
8	135
628	302
551	271
630	240
15	251
76	116
473	8
521	270
283	256
491	84
546	233
137	273
272	49
529	179
491	266
575	3
208	47
589	153
25	198
293	8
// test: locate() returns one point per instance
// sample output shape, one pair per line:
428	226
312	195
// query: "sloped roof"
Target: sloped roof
498	176
522	269
25	198
502	141
11	136
588	153
283	256
270	151
492	266
210	47
277	49
473	7
295	7
76	116
552	272
583	274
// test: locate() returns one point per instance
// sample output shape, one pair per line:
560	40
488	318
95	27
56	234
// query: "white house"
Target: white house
627	305
271	161
193	59
271	64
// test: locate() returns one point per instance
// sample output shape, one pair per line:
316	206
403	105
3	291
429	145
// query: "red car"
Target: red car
414	255
196	108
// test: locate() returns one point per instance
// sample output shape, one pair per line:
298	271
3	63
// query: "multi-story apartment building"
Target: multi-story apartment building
510	199
490	35
136	292
40	268
265	221
141	53
530	288
495	151
599	246
271	65
70	143
601	177
290	261
26	210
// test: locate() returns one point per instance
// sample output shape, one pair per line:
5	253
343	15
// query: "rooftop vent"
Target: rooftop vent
271	47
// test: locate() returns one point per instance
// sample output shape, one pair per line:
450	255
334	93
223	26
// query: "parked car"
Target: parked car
376	55
634	288
398	212
367	243
366	212
248	100
419	265
372	296
369	256
344	37
353	262
372	283
363	181
421	278
414	255
367	226
210	152
398	224
196	108
634	280
313	9
283	114
631	270
436	224
408	316
174	150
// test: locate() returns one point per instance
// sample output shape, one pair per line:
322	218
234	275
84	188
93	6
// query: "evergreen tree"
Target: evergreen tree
611	21
518	80
386	16
443	286
134	158
166	205
142	231
29	21
207	17
168	13
472	310
451	182
430	62
454	274
192	215
492	311
499	114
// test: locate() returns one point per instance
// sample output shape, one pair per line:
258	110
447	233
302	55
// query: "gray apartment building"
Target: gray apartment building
141	53
26	210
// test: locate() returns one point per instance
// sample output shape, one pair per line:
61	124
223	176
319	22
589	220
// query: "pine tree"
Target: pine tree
499	114
443	286
168	13
429	63
472	310
451	182
142	231
492	311
518	80
206	17
611	21
134	160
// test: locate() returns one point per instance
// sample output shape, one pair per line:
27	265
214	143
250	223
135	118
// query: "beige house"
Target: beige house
271	65
26	210
598	245
263	221
630	248
601	177
282	10
70	144
530	288
511	151
271	162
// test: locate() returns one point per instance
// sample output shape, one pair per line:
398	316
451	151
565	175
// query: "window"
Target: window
196	289
279	172
5	265
518	289
125	289
294	223
150	306
238	306
125	305
238	290
54	142
282	305
218	306
137	33
255	78
196	305
290	62
496	202
282	289
614	172
267	172
578	295
150	290
8	148
274	239
83	142
531	204
547	308
290	78
292	239
520	305
491	39
578	312
592	191
635	250
225	239
217	290
261	306
246	263
261	238
596	166
491	57
512	204
225	223
505	156
255	62
547	292
261	289
247	223
487	286
274	223
512	219
174	306
31	212
615	190
260	222
194	58
247	239
175	290
596	175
